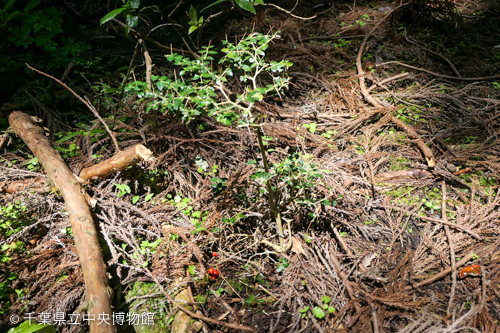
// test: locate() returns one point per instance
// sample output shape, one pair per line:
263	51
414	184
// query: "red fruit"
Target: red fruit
216	273
211	271
213	277
214	254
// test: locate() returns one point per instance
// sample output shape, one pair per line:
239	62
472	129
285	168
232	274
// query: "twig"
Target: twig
84	101
290	13
196	315
6	136
376	328
453	225
178	32
453	68
426	151
389	79
345	279
151	40
452	249
475	310
129	69
441	274
341	241
483	78
149	64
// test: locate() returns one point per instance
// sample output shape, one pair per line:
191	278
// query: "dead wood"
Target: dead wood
403	175
118	162
426	151
37	185
85	233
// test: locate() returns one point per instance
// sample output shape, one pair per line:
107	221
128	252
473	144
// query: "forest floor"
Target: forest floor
382	242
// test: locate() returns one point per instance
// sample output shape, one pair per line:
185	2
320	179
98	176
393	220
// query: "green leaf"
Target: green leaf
32	4
258	2
132	20
192	14
135	199
304	310
331	309
192	29
325	299
318	312
135	3
213	4
111	15
192	270
9	3
246	5
25	327
69	136
148	197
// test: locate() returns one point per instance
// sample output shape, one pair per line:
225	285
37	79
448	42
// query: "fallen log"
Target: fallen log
118	162
97	290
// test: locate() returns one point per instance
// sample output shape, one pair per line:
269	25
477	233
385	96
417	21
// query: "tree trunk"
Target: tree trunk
89	252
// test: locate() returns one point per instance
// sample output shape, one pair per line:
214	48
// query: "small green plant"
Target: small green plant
311	127
319	312
198	89
13	217
124	189
282	265
304	311
129	9
432	205
363	19
496	85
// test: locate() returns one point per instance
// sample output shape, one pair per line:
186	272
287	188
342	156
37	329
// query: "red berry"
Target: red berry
211	271
214	254
216	273
213	277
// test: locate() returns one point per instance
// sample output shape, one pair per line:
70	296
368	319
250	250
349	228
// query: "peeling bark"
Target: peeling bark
118	162
97	290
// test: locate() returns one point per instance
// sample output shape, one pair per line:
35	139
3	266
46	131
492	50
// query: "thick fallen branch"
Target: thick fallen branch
426	151
118	162
89	251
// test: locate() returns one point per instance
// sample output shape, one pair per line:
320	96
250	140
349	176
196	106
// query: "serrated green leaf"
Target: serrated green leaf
325	299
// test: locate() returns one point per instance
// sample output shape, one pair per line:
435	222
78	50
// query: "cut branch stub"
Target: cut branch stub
118	162
87	244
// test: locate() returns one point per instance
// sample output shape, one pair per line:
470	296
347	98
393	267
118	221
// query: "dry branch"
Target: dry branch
441	274
94	270
118	162
426	151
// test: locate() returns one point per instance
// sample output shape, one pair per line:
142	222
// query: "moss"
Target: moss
398	163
